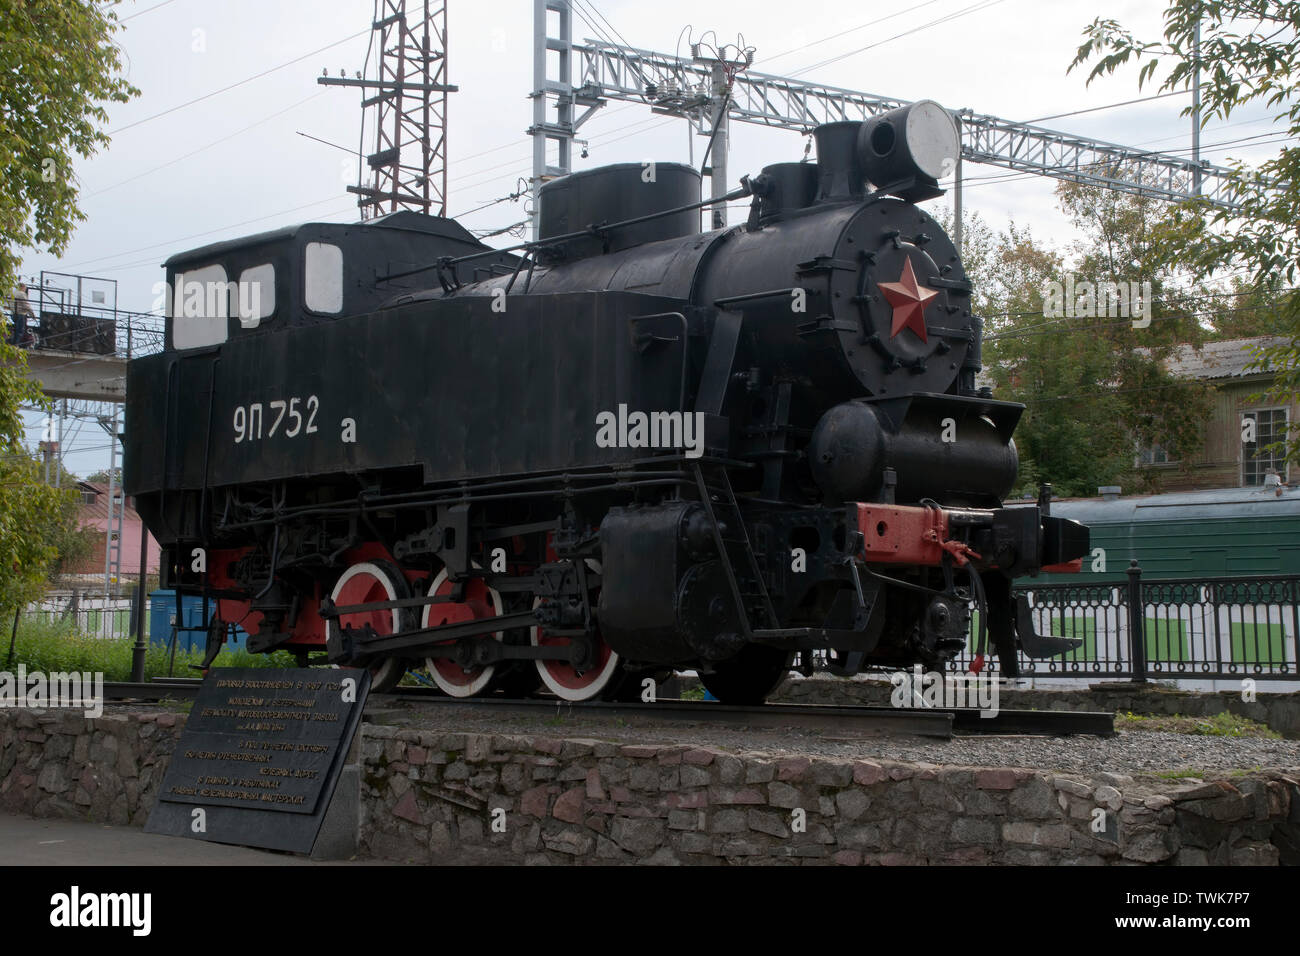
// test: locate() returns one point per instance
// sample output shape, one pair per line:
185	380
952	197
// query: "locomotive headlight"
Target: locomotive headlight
908	150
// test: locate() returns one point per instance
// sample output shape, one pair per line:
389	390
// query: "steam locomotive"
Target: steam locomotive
626	448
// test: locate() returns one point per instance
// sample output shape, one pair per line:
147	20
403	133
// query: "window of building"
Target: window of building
1257	458
256	294
200	307
323	278
1155	454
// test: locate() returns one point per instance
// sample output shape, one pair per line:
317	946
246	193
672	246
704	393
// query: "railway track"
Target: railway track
851	720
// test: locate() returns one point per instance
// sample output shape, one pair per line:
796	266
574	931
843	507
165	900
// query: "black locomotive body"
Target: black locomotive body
634	448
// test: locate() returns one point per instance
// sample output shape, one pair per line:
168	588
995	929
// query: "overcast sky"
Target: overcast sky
234	164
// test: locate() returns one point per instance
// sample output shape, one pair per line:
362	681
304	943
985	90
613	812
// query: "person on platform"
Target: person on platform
22	316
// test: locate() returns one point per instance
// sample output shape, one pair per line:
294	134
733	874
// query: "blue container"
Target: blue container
191	630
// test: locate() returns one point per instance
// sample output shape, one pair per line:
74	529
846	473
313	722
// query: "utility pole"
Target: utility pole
554	93
409	106
716	153
957	230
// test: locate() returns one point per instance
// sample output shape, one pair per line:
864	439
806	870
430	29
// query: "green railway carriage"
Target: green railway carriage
1229	532
1193	628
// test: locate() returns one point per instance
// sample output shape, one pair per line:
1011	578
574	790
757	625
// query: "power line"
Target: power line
346	149
141	13
592	7
216	142
1108	106
861	26
169	242
226	89
947	18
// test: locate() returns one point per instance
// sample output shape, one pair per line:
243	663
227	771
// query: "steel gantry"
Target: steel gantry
409	103
596	71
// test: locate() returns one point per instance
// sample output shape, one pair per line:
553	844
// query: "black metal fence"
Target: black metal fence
1220	628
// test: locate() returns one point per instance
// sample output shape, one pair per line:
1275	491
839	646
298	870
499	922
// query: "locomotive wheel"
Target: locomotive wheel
568	682
480	602
387	674
749	677
364	583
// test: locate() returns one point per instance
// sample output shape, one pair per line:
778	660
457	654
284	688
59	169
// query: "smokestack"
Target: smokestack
841	175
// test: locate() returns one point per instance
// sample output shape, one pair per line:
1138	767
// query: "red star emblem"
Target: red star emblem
909	299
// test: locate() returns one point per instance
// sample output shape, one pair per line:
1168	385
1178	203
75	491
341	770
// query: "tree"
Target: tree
1246	54
58	67
1095	386
34	520
70	541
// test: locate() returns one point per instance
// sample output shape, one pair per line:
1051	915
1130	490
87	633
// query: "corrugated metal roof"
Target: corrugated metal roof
1216	503
97	510
1230	358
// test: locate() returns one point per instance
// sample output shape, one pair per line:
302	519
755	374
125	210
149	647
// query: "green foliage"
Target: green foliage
1095	387
59	646
1247	55
58	67
71	542
35	520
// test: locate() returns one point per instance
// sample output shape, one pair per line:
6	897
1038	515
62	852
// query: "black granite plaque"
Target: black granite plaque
260	756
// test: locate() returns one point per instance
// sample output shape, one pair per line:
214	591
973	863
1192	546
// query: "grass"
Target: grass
59	646
1181	774
1220	725
1194	774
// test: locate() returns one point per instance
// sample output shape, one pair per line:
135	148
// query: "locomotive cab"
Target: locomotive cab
303	275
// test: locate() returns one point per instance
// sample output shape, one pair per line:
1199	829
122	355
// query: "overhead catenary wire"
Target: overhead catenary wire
140	13
947	18
205	147
236	85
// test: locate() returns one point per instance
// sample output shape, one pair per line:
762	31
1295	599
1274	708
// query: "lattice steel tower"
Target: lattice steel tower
408	109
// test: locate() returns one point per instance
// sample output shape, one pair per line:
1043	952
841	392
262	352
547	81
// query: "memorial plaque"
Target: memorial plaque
260	756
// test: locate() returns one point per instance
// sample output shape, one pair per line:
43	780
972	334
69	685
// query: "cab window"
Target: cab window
256	299
323	278
200	306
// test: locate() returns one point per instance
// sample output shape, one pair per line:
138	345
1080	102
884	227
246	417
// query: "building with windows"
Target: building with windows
1246	418
94	516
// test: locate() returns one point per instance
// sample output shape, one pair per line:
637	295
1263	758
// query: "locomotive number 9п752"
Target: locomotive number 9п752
630	448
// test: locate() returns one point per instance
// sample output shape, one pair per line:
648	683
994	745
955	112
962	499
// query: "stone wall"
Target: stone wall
444	797
60	764
1281	712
